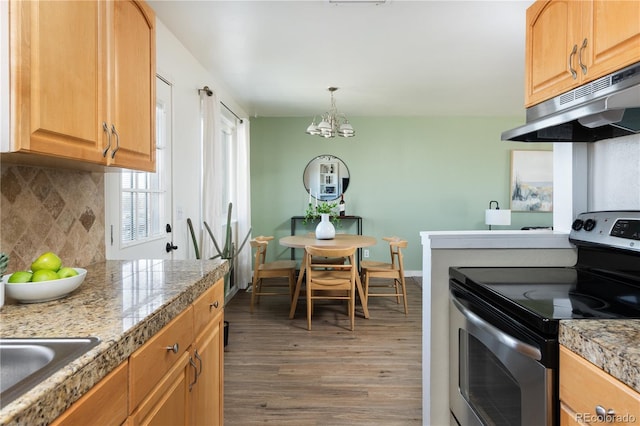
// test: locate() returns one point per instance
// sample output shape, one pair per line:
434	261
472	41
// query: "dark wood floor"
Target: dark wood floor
277	372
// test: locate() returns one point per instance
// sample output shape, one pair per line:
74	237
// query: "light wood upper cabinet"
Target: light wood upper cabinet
615	36
133	86
58	99
83	81
569	43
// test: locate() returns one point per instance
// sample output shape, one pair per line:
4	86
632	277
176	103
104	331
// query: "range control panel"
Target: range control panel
620	229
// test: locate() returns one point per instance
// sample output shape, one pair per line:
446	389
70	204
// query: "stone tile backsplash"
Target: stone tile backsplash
55	210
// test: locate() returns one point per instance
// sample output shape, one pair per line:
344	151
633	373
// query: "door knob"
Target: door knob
171	247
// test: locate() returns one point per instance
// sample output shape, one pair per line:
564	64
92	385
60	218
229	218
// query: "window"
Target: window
142	195
230	159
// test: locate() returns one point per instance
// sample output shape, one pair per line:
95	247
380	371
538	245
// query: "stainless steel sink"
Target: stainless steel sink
26	362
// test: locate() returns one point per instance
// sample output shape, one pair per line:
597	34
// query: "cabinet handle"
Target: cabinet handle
195	375
605	415
574	74
175	348
197	355
113	130
214	305
106	129
582	65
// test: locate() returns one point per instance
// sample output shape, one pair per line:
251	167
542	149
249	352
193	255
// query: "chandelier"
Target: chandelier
332	122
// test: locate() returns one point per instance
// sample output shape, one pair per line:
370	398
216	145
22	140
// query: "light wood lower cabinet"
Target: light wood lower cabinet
183	387
105	404
167	403
208	353
588	395
175	378
158	383
206	394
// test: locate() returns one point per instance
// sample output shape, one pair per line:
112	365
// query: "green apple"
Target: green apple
20	277
67	272
44	275
49	261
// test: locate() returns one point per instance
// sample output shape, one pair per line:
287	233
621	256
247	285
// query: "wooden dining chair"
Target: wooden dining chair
330	281
388	271
263	269
324	259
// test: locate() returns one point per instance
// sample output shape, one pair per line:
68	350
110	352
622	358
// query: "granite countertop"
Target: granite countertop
123	303
611	345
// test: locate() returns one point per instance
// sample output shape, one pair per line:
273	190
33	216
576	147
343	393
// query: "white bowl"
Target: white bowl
43	291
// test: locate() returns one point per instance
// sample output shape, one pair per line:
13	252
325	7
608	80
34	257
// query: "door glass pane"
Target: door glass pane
143	194
486	383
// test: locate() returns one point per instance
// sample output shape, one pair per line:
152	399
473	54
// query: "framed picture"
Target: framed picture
531	181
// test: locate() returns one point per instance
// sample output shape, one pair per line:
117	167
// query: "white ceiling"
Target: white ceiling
401	58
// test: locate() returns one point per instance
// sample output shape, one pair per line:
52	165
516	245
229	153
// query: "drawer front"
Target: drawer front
208	305
583	387
149	363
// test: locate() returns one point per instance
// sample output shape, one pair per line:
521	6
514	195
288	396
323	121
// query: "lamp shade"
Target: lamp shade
497	217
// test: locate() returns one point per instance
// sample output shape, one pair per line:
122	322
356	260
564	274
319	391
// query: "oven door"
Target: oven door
496	377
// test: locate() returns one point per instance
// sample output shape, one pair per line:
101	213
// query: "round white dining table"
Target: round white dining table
340	240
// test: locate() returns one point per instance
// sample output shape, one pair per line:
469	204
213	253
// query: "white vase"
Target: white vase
325	229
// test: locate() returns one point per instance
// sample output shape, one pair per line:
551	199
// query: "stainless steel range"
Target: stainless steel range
504	321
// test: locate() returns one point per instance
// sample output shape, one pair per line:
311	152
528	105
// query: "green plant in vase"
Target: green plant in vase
313	212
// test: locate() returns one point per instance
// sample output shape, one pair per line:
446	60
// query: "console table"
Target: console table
357	219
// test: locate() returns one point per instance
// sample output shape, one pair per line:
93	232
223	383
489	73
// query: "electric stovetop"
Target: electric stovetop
551	293
604	283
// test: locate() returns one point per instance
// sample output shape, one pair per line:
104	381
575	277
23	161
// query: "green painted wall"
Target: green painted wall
408	174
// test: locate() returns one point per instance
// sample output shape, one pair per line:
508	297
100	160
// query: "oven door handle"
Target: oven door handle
509	341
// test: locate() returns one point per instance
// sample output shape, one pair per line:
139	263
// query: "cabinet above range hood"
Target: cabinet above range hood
602	109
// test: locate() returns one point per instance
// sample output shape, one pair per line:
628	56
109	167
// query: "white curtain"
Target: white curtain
244	203
211	167
213	212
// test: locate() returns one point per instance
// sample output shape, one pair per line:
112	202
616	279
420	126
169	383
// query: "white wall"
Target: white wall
177	65
614	174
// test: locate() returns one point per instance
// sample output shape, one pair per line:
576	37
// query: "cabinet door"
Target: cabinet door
553	29
58	78
168	402
105	404
133	86
613	36
207	393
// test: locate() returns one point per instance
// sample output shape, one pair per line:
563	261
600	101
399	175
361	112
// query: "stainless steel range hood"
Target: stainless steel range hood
603	109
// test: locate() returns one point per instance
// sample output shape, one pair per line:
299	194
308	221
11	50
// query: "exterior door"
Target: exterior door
138	204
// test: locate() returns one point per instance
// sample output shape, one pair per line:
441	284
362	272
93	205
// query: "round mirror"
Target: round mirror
326	177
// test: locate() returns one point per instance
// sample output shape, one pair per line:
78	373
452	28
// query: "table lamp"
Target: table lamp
496	216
